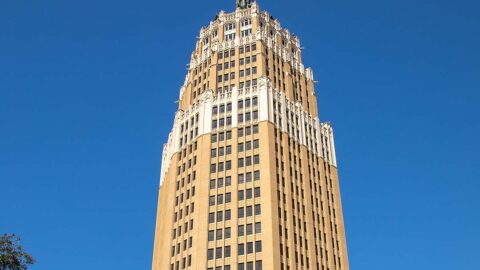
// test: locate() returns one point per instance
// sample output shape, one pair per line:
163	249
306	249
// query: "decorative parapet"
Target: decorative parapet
295	120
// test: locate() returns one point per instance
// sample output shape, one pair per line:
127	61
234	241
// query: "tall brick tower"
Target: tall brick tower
249	174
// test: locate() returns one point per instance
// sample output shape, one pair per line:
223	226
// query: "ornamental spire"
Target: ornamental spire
244	3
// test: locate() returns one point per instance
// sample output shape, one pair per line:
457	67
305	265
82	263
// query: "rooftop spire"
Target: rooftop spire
244	3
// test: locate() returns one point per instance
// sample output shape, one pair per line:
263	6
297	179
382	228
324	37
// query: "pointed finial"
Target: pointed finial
244	3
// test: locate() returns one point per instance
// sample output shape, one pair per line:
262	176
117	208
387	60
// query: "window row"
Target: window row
247	130
231	52
248	116
185	264
219	234
247	161
220	123
248	193
177	248
247	177
192	147
188	209
218	253
249	210
249	265
248	248
220	182
249	229
221	136
220	199
178	231
221	166
221	108
248	145
181	198
219	216
247	102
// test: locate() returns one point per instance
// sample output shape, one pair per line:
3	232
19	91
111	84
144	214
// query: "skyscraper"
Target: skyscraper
249	175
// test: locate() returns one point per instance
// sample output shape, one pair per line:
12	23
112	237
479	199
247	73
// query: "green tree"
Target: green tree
12	255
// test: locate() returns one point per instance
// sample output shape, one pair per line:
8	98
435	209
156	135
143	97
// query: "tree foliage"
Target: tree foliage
12	255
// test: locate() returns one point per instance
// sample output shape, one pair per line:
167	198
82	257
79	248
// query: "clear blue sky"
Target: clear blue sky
87	91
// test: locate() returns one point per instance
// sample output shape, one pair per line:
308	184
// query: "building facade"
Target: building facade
249	175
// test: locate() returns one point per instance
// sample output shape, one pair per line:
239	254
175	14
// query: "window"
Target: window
220	182
218	253
241	195
240	162
241	250
258	246
246	22
258	210
211	218
241	212
214	138
213	168
228	214
256	159
255	129
212	184
228	149
249	229
211	235
249	247
230	36
227	252
220	198
211	201
255	115
248	161
257	192
258	227
228	180
228	165
219	216
241	178
256	175
249	211
240	147
228	197
249	193
255	144
210	254
219	234
228	232
213	152
241	230
229	26
248	177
